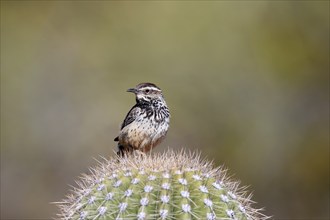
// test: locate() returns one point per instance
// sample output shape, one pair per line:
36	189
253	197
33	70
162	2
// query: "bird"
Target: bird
147	122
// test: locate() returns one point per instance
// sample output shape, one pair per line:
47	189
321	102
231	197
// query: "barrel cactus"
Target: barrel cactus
170	185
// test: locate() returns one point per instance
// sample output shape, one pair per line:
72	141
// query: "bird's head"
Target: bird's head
146	92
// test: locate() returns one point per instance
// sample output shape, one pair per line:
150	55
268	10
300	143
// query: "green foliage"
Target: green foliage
165	186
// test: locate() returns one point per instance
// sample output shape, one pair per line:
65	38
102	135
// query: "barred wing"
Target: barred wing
130	117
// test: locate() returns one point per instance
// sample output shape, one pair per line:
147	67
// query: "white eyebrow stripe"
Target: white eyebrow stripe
151	88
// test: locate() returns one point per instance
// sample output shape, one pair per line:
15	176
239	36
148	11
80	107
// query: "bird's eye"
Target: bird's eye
147	91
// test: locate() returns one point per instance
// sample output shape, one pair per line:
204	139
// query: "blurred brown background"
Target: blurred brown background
247	83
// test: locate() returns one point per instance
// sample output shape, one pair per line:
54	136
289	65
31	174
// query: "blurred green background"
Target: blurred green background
247	83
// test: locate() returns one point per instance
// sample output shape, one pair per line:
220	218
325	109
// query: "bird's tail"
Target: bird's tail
123	151
120	150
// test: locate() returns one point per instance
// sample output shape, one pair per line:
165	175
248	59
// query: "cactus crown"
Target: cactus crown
170	185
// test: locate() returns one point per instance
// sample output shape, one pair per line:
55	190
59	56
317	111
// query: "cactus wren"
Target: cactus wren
147	122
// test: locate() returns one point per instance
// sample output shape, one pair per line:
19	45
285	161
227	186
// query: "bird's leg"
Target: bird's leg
138	153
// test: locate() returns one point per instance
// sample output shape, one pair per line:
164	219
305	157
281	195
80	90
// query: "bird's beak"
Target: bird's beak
131	90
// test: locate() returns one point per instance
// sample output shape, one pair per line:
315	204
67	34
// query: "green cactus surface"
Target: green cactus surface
170	185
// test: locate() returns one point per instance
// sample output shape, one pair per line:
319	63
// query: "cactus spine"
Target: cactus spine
171	185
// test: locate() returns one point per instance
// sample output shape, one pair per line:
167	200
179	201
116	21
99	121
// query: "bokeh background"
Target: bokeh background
247	83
